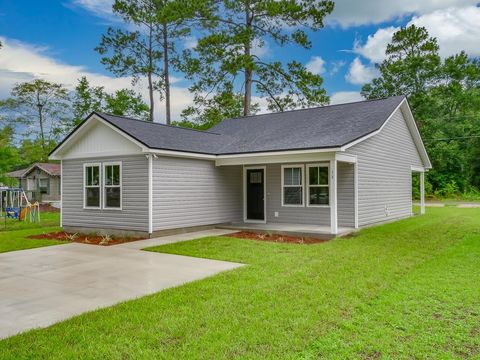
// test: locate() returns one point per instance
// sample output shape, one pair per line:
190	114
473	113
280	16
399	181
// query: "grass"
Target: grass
15	235
403	290
48	219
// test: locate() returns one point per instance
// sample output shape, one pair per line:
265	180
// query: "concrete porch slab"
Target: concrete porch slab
319	232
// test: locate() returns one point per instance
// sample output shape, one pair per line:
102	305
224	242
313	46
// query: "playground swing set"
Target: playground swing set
14	205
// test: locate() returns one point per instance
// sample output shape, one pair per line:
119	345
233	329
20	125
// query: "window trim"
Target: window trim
325	165
104	186
47	187
99	165
302	169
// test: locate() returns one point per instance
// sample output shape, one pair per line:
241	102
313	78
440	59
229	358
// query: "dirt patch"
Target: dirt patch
48	208
276	238
91	239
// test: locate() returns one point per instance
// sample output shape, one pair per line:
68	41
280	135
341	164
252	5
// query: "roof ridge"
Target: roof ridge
155	123
317	107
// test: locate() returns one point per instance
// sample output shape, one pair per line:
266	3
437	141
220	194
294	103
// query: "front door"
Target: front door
255	194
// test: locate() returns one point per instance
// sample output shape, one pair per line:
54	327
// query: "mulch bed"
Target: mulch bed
85	238
276	238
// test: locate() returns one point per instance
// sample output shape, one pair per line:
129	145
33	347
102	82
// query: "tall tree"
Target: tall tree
149	50
410	68
41	107
230	52
124	102
9	156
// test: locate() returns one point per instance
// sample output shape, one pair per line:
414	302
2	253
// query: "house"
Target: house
326	169
41	181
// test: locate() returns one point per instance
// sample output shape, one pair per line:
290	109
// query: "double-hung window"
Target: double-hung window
91	186
318	189
112	185
292	185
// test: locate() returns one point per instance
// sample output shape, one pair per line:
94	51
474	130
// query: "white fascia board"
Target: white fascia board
276	157
412	126
417	168
346	158
182	154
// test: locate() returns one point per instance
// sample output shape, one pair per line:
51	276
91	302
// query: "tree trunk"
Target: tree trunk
150	94
248	67
40	119
166	73
150	70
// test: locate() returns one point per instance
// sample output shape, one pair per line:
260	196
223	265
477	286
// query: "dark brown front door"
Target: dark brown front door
255	194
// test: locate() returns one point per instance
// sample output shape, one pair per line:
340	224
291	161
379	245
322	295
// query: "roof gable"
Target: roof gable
96	138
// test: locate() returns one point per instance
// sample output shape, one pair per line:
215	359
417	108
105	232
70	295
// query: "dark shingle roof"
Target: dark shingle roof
320	127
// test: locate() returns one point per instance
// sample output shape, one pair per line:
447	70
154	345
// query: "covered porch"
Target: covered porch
299	230
307	193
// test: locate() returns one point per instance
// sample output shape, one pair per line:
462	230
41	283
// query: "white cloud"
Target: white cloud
455	29
100	8
316	65
261	48
376	45
21	62
343	97
190	42
360	74
354	12
336	66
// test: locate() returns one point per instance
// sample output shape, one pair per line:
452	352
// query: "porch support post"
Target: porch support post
333	197
422	192
150	193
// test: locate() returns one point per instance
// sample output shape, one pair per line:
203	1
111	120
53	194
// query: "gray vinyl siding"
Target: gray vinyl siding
346	195
294	215
191	192
134	213
384	172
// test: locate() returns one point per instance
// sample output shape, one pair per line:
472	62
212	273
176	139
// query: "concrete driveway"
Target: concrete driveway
39	287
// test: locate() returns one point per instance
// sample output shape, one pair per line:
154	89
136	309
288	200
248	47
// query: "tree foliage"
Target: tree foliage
445	99
229	55
124	102
9	156
38	108
149	49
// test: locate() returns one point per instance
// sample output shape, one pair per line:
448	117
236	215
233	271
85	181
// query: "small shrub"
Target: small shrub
105	239
71	237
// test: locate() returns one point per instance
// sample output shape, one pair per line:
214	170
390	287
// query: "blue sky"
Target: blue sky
55	40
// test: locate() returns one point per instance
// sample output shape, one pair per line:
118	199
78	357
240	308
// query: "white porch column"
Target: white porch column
150	193
422	192
333	197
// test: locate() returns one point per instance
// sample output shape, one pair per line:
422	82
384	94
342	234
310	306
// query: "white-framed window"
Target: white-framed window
292	185
44	186
112	185
91	188
318	192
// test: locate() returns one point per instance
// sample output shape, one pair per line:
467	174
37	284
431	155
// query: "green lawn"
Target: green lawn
15	235
407	290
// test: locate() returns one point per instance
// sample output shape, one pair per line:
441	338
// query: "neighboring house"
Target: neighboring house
40	181
327	168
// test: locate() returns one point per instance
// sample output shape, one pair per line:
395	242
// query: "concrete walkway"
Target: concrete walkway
40	287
